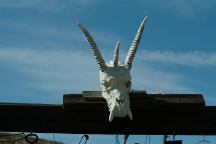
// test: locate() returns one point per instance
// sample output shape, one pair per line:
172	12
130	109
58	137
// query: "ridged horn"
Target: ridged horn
116	54
132	51
95	50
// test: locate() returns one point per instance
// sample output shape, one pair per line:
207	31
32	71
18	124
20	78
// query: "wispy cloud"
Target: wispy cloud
191	58
62	67
53	70
69	71
186	8
50	5
152	80
53	36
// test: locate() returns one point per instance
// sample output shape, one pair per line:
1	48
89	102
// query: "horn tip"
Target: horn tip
79	25
145	19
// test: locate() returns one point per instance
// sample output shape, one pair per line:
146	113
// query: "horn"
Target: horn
94	48
134	45
116	54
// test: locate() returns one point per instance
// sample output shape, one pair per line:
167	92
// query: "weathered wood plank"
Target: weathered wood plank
139	100
92	117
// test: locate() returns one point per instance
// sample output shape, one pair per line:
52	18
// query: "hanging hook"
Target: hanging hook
117	139
86	138
31	138
126	138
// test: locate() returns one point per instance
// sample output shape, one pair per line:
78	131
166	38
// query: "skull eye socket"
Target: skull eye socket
107	84
128	84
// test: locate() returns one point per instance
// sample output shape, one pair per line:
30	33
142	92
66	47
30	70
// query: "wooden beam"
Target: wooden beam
87	115
139	100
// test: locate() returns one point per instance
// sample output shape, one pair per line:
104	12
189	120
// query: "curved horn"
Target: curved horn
134	45
94	48
116	54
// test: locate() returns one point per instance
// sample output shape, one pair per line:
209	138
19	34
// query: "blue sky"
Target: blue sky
44	55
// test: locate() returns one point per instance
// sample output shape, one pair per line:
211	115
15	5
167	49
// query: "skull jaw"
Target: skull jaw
118	108
120	113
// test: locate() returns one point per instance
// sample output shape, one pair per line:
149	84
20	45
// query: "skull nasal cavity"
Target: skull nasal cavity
120	101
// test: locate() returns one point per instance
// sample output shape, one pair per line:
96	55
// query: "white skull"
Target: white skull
116	86
115	78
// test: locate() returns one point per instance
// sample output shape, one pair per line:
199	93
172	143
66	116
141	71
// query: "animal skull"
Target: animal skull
115	78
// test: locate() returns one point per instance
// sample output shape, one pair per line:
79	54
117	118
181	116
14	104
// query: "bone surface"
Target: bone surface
115	78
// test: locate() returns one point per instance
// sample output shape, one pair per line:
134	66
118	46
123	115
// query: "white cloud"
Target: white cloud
186	8
192	58
152	80
46	31
50	5
57	37
74	71
53	70
62	69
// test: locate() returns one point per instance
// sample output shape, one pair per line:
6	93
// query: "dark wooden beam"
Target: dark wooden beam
140	100
168	114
